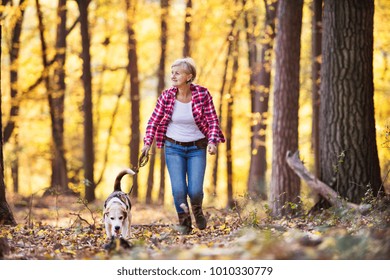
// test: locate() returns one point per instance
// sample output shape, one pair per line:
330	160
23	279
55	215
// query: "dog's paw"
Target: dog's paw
116	244
125	244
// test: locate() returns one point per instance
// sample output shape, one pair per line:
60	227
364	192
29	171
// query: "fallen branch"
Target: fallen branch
320	187
82	219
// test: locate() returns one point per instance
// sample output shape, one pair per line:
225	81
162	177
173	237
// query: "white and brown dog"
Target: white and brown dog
117	210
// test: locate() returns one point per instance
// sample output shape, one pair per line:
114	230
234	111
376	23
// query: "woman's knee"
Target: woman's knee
196	197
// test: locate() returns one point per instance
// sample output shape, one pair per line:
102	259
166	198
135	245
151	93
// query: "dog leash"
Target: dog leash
142	161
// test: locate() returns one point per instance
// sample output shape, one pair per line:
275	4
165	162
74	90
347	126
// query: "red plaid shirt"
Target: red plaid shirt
202	109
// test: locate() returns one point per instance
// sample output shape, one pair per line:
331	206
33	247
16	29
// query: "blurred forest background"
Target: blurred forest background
74	107
79	79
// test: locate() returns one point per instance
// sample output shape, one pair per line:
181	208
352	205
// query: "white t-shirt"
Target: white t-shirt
182	127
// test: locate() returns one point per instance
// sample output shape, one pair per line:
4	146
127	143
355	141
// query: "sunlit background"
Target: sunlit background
210	26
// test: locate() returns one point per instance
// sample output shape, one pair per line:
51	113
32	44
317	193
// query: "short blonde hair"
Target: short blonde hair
188	64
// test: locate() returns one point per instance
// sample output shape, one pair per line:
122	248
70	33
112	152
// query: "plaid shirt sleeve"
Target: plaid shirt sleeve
205	115
154	121
214	133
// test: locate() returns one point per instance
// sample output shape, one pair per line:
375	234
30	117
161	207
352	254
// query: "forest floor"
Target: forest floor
66	228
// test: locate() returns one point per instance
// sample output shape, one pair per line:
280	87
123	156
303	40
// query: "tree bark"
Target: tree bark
6	216
55	92
15	95
160	87
260	83
134	90
315	79
230	123
348	150
14	61
230	43
285	184
59	163
89	155
15	161
187	29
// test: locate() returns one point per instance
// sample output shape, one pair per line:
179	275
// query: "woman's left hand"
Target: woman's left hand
212	149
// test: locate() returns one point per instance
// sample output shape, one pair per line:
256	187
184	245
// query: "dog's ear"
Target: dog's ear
105	212
124	215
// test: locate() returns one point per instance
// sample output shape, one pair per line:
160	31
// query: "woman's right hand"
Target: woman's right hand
212	149
145	149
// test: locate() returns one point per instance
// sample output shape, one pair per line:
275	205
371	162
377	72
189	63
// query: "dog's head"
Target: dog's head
116	215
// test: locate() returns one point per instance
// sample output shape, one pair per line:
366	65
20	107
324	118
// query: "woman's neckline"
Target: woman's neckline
182	101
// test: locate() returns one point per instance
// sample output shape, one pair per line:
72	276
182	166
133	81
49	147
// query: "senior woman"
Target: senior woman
185	123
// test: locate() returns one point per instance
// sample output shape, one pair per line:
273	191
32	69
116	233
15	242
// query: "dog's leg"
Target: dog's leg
108	229
127	227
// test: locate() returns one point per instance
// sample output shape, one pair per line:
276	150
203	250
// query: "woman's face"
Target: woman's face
179	76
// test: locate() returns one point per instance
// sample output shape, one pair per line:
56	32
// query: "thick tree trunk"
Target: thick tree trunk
260	83
89	155
134	90
285	184
348	148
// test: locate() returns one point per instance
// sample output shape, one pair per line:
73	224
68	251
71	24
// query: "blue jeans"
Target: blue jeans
186	168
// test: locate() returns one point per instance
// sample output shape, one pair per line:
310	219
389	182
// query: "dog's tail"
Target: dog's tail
117	185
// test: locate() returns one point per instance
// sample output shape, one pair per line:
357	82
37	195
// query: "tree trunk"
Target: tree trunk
315	79
260	83
161	192
14	61
230	43
230	123
59	165
134	90
285	184
187	29
14	112
15	162
89	156
59	177
150	181
348	150
161	85
6	216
